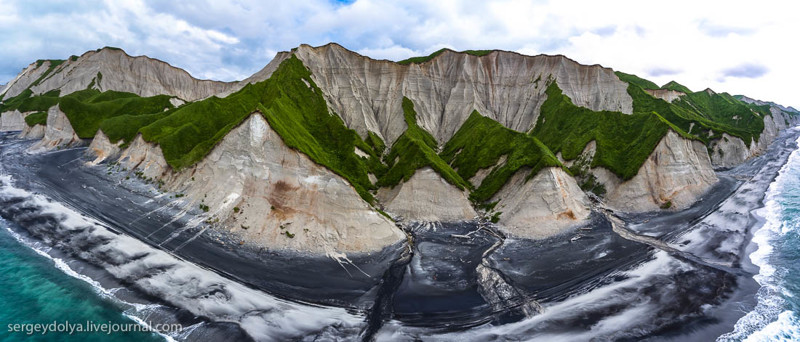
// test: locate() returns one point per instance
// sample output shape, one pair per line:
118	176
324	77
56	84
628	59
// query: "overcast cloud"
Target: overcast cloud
740	47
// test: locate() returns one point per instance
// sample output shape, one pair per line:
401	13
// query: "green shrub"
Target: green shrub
38	118
479	144
415	149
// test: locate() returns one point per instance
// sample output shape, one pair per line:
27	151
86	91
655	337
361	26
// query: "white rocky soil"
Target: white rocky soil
283	199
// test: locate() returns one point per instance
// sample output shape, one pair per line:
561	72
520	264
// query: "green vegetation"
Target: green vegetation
481	142
204	207
294	107
423	59
636	80
87	109
415	149
672	85
666	205
24	102
38	118
623	141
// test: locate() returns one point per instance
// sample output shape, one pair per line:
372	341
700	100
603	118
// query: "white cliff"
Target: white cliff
675	175
12	121
271	195
35	132
140	155
102	149
426	196
542	206
505	86
113	69
58	132
730	151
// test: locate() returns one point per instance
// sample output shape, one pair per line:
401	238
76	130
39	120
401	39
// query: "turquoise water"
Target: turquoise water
777	314
34	290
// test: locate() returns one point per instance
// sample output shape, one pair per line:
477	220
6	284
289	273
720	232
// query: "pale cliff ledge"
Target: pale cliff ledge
426	196
271	195
665	94
505	86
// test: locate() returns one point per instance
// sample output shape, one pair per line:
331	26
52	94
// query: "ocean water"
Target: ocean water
38	289
777	314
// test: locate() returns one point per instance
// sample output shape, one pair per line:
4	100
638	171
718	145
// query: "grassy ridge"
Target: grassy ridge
415	149
423	59
672	85
481	142
38	118
87	109
294	107
624	141
633	79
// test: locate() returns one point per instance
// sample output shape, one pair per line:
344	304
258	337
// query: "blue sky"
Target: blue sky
734	46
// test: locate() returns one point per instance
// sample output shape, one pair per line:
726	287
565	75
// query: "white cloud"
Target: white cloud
698	43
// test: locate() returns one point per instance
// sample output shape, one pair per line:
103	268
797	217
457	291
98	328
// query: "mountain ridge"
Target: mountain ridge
365	101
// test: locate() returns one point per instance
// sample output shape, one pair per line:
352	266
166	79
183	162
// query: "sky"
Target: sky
740	47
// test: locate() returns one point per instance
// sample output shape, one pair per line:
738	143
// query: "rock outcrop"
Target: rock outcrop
730	151
140	155
58	132
272	195
102	149
12	121
113	69
665	94
505	86
675	175
35	132
426	196
542	206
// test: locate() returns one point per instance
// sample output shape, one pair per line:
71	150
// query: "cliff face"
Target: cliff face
505	86
12	121
58	132
543	206
665	94
113	69
102	149
271	195
676	174
730	151
35	132
426	196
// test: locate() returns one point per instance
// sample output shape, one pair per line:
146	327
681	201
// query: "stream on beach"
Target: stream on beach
85	243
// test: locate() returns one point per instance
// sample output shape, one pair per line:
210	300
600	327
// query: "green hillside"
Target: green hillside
294	107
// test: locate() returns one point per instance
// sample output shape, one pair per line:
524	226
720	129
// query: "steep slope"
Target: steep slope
112	69
443	137
270	194
505	86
